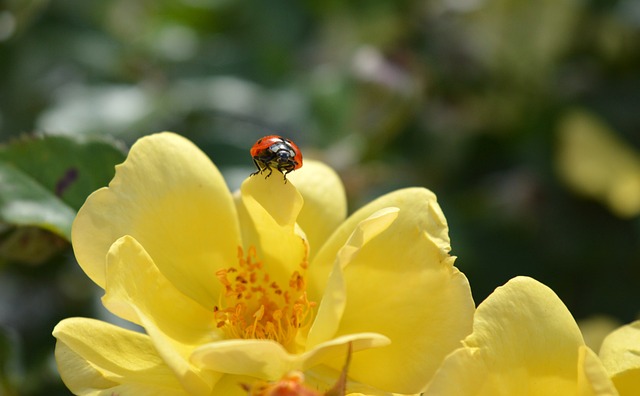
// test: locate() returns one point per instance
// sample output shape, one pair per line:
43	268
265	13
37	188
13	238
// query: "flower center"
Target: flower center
253	306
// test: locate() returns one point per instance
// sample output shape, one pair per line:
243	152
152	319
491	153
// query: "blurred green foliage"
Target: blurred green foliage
464	97
47	179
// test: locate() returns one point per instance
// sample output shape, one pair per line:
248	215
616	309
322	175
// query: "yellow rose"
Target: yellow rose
234	289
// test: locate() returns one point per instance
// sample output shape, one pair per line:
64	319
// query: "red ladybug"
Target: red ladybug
274	151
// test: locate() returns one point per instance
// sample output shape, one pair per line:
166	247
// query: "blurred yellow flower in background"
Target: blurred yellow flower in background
596	328
237	289
524	342
595	162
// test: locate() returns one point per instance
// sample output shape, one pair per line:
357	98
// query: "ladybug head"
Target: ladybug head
284	154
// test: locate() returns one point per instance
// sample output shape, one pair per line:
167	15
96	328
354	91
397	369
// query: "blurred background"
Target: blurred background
522	116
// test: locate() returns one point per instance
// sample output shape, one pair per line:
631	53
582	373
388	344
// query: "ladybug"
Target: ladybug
274	151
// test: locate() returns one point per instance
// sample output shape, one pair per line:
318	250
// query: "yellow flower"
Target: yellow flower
524	342
595	162
237	289
620	354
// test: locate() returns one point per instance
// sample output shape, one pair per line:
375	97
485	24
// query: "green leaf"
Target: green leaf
46	179
25	202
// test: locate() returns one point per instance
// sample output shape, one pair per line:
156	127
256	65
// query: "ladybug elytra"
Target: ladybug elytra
275	152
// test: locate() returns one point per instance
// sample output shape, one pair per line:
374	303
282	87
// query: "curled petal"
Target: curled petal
334	299
338	348
620	354
592	376
94	356
263	359
402	284
137	291
417	203
268	209
325	202
269	360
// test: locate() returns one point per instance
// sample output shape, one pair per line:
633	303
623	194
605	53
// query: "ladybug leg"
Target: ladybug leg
257	166
270	171
285	169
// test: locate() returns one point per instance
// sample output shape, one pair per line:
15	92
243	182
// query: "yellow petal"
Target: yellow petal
401	284
263	359
93	356
465	373
172	199
334	300
592	377
431	220
336	350
137	291
524	341
268	208
268	360
528	314
325	202
279	199
231	385
323	377
137	390
620	354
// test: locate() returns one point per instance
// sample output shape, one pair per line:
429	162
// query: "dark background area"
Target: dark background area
521	116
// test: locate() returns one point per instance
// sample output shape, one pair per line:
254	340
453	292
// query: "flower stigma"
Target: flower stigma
253	306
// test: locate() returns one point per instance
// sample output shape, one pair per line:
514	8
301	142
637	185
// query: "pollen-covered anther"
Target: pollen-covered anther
253	306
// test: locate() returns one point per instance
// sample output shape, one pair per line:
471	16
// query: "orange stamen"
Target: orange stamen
255	307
